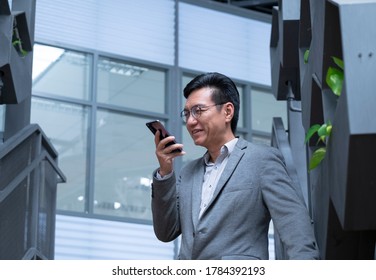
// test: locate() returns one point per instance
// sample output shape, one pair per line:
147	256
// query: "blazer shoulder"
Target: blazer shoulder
259	151
247	146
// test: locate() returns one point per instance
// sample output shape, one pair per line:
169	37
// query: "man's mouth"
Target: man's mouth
195	131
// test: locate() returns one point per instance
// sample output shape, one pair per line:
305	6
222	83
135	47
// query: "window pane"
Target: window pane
61	72
260	139
66	125
186	79
125	160
242	106
264	108
133	86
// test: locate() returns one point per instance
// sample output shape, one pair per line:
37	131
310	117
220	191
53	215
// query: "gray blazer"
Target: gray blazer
253	188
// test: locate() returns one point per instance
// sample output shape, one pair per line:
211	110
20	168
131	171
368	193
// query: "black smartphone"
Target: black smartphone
154	126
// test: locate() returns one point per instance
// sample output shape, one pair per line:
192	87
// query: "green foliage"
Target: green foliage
306	56
334	79
312	130
316	158
335	76
338	62
17	43
323	132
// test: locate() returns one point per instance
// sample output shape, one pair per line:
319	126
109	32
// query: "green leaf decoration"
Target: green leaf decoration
18	45
322	139
317	157
322	130
16	42
334	79
306	56
338	62
24	53
329	129
325	130
312	130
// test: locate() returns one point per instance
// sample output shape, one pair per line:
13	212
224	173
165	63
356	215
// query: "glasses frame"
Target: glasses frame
196	111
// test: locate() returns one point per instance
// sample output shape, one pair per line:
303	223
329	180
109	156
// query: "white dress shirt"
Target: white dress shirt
213	171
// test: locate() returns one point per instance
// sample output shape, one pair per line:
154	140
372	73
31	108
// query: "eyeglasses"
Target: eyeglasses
196	111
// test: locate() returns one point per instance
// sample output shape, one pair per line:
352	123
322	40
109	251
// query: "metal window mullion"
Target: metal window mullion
247	111
90	176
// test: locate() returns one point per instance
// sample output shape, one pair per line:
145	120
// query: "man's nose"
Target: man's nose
191	119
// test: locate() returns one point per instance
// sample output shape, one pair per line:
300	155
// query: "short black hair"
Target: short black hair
224	90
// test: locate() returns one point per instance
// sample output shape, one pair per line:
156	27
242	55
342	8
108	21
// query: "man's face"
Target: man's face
209	128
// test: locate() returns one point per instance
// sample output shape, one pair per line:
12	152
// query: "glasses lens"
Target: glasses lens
196	111
184	115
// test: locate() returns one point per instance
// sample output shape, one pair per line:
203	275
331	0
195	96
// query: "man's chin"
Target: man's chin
197	142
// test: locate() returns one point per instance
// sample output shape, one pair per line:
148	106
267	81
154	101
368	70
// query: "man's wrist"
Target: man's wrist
160	175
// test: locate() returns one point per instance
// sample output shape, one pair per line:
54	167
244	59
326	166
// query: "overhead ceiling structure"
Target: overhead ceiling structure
263	6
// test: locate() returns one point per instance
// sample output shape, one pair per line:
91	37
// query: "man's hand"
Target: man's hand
164	153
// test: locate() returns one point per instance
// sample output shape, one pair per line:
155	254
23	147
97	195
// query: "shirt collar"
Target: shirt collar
226	150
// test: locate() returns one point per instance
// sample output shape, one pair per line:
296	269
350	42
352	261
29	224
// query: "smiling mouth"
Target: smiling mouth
195	131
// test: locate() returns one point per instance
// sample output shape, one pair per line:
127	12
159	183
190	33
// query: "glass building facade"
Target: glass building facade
95	115
92	98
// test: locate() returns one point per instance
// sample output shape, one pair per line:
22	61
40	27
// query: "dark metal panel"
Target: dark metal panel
29	178
16	57
284	50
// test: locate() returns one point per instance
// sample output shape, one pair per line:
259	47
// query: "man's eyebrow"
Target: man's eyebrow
199	104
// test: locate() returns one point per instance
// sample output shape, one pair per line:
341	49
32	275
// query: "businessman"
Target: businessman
222	203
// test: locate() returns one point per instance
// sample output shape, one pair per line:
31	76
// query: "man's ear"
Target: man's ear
229	110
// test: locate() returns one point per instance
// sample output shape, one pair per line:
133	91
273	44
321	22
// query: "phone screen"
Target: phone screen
154	126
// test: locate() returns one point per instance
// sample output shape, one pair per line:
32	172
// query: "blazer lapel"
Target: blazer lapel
198	179
232	163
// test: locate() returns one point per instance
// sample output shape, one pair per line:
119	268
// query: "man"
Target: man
221	204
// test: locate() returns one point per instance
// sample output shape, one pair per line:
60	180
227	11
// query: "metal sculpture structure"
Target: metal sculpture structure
308	38
29	172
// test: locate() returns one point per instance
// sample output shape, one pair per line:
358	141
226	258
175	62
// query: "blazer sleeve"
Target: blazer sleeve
165	208
287	209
